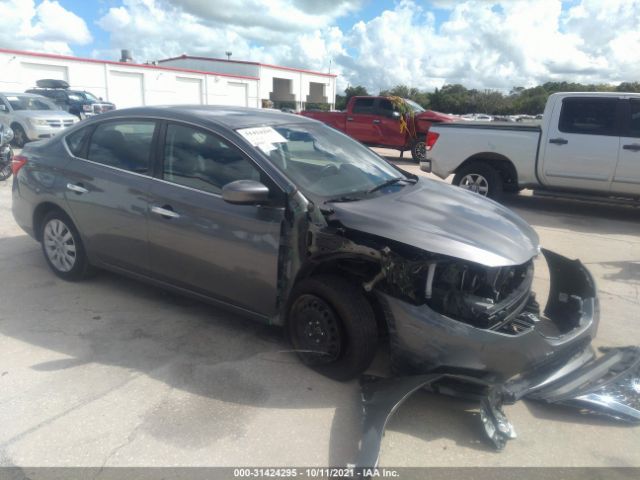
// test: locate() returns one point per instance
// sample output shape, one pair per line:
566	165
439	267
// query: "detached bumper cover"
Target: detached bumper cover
424	341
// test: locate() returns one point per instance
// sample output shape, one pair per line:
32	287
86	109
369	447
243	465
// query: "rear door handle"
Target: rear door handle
376	121
77	188
634	147
559	141
349	119
165	211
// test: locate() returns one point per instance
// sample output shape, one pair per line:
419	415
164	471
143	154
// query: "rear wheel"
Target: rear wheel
480	178
419	151
62	247
332	326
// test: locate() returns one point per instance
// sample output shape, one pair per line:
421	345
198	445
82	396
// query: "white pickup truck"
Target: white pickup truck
587	143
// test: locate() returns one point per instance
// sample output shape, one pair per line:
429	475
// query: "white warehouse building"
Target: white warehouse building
181	80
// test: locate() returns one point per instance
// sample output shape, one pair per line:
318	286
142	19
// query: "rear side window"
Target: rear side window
202	160
75	141
125	144
363	105
634	121
592	116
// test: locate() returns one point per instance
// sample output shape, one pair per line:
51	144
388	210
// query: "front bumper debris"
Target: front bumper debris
609	385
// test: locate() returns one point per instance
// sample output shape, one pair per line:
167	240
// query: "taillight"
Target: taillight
432	138
17	162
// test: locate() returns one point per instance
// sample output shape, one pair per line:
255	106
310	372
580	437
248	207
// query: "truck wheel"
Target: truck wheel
419	151
332	326
481	178
19	136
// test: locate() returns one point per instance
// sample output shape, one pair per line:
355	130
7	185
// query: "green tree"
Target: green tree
351	91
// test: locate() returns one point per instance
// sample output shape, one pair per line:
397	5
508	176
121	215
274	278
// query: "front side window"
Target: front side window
201	160
123	144
592	116
634	121
385	107
363	105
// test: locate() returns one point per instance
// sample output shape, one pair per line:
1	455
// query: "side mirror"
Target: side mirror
100	98
395	115
245	192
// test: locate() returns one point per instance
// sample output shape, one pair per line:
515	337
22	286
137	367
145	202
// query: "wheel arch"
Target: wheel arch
41	211
502	164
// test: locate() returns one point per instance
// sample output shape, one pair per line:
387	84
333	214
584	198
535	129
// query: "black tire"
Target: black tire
489	182
79	267
19	136
419	151
332	327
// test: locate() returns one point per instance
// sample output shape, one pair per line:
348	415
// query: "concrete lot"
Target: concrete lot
114	372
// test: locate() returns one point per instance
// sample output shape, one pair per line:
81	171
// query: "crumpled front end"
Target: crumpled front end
464	330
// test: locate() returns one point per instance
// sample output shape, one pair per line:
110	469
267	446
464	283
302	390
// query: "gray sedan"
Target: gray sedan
292	223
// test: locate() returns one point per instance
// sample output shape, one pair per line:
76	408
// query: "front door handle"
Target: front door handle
559	141
634	147
165	211
77	188
376	121
349	119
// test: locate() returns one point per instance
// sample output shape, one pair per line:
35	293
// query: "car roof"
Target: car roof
230	117
21	94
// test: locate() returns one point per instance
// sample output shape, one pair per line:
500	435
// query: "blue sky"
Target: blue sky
492	44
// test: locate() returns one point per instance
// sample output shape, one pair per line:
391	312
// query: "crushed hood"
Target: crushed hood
447	220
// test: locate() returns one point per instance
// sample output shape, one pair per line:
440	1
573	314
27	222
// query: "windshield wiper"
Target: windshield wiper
391	181
344	198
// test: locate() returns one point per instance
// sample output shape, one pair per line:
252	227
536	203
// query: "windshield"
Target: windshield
90	96
416	108
24	102
321	161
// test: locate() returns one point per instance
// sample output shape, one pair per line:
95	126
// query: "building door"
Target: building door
126	89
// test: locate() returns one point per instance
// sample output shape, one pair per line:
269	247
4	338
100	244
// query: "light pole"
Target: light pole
228	54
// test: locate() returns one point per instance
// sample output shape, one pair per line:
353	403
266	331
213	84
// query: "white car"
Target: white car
32	117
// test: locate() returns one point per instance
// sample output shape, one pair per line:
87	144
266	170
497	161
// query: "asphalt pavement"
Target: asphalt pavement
112	372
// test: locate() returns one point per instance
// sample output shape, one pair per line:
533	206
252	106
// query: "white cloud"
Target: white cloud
480	43
47	27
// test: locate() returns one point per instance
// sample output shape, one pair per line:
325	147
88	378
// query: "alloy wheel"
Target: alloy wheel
475	183
60	245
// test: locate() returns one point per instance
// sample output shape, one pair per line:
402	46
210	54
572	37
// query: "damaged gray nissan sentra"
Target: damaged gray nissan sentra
293	223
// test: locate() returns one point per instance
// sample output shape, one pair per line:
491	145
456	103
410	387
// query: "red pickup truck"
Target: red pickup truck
377	122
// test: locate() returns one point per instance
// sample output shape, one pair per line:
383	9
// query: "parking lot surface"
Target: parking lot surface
112	372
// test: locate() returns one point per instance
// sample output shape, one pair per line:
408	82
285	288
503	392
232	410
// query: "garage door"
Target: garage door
31	72
188	91
125	89
237	94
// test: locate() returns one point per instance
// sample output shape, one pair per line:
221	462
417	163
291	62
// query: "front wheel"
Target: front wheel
419	151
480	178
332	326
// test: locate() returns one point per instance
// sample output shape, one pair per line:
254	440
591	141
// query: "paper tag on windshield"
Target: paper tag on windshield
262	137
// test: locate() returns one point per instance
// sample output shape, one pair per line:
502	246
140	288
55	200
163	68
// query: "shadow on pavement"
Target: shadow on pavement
191	347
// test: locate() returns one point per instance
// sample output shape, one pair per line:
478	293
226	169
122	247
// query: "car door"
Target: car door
107	183
626	180
360	121
388	124
202	243
582	144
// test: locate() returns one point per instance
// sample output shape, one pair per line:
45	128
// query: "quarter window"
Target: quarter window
202	160
75	141
363	105
125	145
593	116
